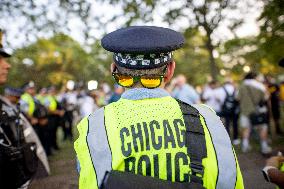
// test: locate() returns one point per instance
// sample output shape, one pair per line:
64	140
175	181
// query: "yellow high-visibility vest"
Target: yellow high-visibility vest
52	103
30	101
146	137
282	91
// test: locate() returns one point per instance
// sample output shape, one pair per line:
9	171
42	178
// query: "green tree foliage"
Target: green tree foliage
237	53
272	31
261	53
192	60
53	61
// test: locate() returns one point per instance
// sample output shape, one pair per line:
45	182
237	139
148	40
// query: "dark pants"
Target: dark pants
276	118
67	125
232	120
43	133
53	125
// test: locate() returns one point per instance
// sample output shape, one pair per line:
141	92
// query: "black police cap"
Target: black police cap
30	84
142	47
143	39
2	51
13	91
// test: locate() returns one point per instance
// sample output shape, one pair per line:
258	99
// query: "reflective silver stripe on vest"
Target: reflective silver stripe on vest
98	144
227	173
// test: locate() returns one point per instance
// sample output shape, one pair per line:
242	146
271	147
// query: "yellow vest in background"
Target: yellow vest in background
30	101
282	92
52	103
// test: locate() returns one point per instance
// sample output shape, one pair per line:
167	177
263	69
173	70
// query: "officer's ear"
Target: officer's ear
170	71
112	67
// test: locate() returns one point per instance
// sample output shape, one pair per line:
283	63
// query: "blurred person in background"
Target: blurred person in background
42	95
118	90
42	126
183	91
252	96
27	102
68	99
96	97
229	108
13	95
101	97
274	98
36	114
282	91
107	91
19	150
87	104
55	114
211	96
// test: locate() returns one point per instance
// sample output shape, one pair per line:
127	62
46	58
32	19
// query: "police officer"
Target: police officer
149	133
28	104
13	94
18	158
42	95
55	114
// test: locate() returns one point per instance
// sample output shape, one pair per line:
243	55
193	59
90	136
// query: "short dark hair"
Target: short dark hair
152	71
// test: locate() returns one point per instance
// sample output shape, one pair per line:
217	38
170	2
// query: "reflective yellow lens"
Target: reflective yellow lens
124	80
151	82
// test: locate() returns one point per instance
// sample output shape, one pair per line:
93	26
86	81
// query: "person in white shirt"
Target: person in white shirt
87	105
211	96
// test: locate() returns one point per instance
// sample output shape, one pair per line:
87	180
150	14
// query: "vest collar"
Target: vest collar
143	93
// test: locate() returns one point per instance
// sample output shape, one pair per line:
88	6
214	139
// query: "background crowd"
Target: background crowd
50	108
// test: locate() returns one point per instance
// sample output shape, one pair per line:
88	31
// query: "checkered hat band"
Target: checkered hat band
142	61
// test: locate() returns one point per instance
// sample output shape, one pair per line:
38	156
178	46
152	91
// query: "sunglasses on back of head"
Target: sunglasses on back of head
147	81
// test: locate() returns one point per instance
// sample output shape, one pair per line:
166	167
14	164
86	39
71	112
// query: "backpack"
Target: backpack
230	104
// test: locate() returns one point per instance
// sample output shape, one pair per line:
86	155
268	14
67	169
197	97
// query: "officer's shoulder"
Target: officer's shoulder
209	115
101	110
83	125
96	113
204	109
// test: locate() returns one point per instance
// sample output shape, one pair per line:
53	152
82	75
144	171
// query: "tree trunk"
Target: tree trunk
213	66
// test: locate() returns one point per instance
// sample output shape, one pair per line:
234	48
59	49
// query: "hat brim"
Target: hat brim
4	54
